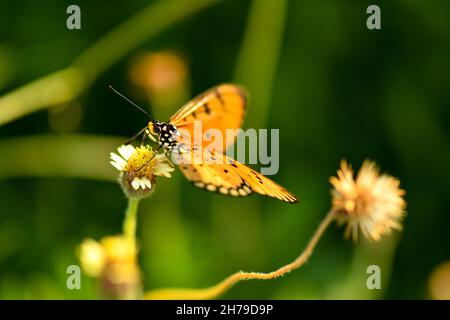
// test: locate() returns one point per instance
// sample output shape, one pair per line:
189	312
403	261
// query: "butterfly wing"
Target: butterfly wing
222	174
221	108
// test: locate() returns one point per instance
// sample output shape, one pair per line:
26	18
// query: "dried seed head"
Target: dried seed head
372	203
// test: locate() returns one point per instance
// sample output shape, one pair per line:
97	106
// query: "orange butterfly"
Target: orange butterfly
221	108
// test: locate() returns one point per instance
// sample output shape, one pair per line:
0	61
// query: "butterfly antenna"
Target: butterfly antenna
132	103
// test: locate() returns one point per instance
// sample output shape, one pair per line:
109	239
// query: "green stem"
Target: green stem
256	71
153	19
58	156
129	224
67	84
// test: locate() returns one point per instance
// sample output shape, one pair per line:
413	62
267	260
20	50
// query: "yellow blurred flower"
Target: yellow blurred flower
119	249
114	261
121	256
439	282
138	168
92	257
372	203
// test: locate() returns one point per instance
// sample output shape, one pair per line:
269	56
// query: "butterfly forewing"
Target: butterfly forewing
220	108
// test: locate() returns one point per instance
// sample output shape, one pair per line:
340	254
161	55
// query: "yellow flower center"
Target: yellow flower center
140	162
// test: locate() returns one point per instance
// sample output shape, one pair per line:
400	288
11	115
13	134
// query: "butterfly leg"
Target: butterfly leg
151	136
135	136
144	137
168	155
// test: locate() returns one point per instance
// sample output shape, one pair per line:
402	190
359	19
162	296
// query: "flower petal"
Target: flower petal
135	183
142	183
162	166
163	170
126	151
147	183
116	165
118	160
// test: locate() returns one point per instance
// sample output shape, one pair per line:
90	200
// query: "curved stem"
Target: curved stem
129	224
227	283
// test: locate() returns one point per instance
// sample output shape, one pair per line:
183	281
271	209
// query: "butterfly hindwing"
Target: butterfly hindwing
210	178
228	176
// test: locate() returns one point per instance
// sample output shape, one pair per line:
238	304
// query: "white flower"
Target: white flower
138	167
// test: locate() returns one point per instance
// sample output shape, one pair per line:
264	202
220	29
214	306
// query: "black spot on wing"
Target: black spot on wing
206	107
219	96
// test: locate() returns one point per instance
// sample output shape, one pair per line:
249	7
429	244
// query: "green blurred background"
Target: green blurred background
334	88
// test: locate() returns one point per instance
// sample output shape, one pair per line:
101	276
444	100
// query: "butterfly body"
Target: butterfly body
220	108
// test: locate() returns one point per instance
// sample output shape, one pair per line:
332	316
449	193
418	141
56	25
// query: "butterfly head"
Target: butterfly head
167	134
154	127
